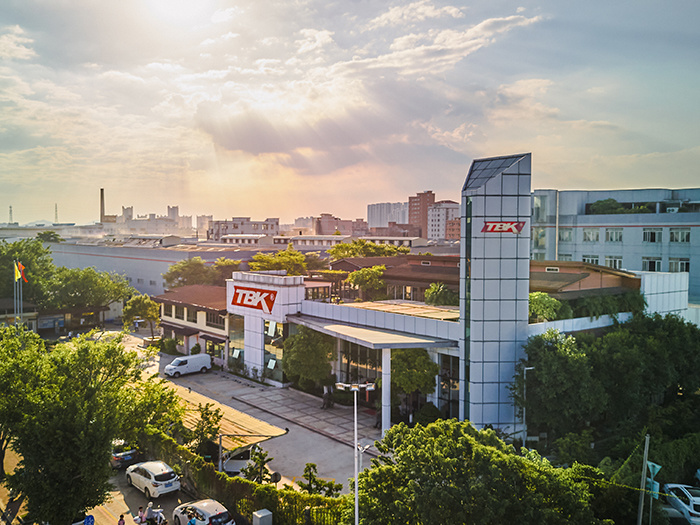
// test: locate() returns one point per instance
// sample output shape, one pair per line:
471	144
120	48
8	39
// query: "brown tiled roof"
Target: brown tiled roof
200	295
553	281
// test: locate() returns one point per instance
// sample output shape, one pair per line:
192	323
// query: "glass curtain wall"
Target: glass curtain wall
448	395
275	334
236	346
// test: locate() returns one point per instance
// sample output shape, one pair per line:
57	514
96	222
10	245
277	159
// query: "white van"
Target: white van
188	364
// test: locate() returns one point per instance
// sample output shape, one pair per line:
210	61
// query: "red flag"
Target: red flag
20	267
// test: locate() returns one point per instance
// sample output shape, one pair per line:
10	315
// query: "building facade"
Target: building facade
242	225
379	215
418	210
654	230
438	216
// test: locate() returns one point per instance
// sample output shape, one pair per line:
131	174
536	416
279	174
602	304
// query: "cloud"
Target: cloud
13	44
314	40
412	13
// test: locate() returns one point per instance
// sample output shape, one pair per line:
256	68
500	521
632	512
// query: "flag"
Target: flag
19	272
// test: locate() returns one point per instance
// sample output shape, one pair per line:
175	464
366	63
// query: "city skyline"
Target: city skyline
281	109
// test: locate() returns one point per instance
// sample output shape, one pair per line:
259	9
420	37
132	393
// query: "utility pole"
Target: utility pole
642	484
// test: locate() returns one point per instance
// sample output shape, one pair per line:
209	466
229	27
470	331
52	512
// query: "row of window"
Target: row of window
649	264
214	319
141	281
649	235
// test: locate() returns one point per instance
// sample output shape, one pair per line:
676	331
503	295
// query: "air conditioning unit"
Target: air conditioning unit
672	210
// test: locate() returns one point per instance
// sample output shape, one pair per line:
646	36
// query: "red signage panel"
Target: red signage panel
254	298
503	226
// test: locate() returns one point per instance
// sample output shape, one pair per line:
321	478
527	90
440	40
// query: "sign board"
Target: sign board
503	227
89	520
255	298
653	487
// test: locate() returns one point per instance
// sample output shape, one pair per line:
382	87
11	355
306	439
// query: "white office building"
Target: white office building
381	214
438	215
653	230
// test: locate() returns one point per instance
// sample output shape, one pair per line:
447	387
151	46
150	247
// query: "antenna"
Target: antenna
56	218
10	213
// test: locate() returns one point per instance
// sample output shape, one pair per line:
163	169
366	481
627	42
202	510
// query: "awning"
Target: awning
180	330
370	337
213	338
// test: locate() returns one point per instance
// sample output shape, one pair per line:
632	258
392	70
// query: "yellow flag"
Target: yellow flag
18	274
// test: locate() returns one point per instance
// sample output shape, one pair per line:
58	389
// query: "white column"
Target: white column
386	389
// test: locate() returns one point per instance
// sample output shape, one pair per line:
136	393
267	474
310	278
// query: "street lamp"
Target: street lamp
525	402
355	387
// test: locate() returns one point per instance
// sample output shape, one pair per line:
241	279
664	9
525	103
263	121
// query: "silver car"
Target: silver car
205	512
153	478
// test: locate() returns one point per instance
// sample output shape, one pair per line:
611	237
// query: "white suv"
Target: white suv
153	478
205	512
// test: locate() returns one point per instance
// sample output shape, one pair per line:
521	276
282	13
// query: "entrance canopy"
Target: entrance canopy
376	338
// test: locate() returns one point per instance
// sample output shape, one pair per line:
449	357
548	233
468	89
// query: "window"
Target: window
613	234
566	234
152	283
566	257
538	256
179	312
613	261
591	235
590	259
538	238
651	264
167	310
191	315
538	208
139	281
215	320
678	265
680	235
652	235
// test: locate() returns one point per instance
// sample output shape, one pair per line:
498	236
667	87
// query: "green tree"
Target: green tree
224	269
448	472
21	355
413	372
542	307
207	427
291	260
256	469
314	262
439	294
188	272
308	355
364	248
370	281
142	307
150	403
85	288
562	391
316	485
39	268
49	236
64	439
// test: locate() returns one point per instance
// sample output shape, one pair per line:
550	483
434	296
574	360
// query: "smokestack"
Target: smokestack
102	204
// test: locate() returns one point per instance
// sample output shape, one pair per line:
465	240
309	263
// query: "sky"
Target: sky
290	108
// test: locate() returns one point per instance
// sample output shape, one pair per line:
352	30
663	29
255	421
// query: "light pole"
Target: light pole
525	402
355	388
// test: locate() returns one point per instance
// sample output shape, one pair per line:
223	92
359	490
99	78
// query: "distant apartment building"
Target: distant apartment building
396	230
242	226
310	242
653	230
418	210
453	228
327	224
379	215
438	215
203	223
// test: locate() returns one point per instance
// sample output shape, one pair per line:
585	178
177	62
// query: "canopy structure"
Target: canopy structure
369	337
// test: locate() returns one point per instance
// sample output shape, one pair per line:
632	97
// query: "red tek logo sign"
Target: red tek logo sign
254	298
503	227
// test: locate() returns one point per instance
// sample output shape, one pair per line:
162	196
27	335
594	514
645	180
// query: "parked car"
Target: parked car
153	478
685	499
123	454
205	512
188	364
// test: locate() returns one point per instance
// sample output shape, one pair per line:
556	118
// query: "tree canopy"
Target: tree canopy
439	294
142	307
308	354
49	236
39	268
71	415
412	370
291	260
83	288
364	248
370	282
448	472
